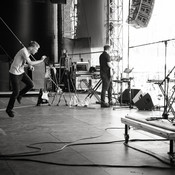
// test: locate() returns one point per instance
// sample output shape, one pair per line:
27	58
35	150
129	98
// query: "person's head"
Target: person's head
107	48
64	51
33	47
51	64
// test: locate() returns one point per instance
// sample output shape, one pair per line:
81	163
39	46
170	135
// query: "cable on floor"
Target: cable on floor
17	157
89	165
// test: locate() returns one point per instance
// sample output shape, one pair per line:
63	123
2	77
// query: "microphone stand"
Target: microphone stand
165	81
165	93
166	87
15	35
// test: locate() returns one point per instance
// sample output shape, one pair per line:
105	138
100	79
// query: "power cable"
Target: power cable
18	157
91	165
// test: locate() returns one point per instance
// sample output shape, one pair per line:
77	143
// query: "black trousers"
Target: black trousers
15	81
106	87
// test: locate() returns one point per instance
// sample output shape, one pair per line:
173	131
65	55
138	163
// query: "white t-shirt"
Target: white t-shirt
17	67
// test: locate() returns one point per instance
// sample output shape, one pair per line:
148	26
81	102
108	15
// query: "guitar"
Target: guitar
113	68
112	72
43	97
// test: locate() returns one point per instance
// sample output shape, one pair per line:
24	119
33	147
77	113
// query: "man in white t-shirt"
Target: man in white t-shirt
17	74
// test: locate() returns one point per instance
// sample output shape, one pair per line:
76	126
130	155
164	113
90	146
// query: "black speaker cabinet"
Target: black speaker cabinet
145	103
125	96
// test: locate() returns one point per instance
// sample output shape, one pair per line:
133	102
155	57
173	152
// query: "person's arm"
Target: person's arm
110	65
112	68
32	63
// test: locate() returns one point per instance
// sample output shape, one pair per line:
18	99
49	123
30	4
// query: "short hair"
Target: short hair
107	47
34	44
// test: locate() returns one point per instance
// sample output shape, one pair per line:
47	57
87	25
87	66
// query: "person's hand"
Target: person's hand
31	68
43	57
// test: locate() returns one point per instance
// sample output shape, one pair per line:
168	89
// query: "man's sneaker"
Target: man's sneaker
104	105
19	99
10	113
111	103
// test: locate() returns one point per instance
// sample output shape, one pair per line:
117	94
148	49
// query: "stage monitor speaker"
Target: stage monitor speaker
58	1
125	96
138	96
145	103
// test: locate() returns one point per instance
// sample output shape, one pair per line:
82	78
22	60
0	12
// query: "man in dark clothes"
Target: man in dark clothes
105	72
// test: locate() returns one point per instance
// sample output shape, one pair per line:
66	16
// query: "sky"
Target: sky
161	28
152	61
161	25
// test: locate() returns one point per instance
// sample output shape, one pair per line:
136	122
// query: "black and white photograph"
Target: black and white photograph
87	87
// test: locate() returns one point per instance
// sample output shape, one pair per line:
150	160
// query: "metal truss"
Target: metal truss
114	33
114	36
114	25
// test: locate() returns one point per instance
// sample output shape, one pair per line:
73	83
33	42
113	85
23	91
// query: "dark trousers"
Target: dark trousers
106	87
15	81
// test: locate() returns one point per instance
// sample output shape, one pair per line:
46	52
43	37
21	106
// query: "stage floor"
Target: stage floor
76	140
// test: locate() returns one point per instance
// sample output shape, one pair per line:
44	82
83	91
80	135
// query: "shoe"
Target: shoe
111	103
19	99
10	113
105	105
